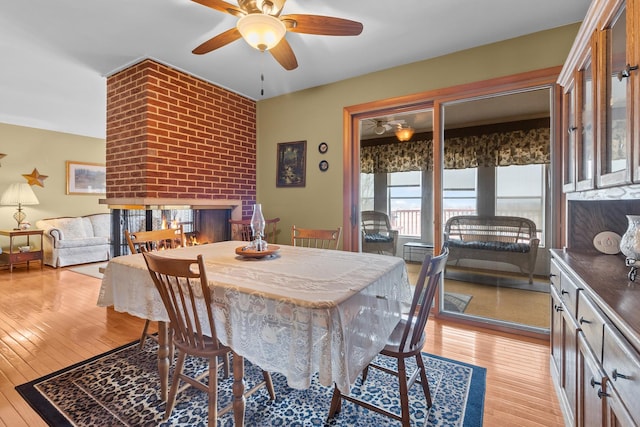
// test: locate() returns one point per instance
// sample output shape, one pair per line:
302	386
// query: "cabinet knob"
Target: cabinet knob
594	383
615	374
572	129
563	292
557	307
602	394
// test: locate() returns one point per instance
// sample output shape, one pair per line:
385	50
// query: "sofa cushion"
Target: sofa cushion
491	245
377	238
88	241
72	228
101	224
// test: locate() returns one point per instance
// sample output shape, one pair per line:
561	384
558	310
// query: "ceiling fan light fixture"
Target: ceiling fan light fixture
404	133
379	129
261	31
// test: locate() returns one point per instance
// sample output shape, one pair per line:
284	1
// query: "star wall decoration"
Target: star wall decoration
34	178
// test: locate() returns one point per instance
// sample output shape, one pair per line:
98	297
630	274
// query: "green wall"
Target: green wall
47	151
315	115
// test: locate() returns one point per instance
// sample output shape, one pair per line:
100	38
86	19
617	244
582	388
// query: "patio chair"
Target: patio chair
377	235
406	340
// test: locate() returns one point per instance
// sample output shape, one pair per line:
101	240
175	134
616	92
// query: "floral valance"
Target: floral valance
519	147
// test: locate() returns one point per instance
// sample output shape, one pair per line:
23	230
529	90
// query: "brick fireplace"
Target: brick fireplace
177	141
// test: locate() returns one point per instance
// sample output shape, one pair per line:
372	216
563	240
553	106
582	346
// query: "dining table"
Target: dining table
297	311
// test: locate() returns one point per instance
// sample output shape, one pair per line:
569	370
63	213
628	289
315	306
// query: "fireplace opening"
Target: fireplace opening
200	226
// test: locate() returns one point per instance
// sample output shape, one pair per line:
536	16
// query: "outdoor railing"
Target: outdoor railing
408	221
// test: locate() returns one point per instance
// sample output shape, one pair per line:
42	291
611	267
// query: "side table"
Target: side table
14	255
421	247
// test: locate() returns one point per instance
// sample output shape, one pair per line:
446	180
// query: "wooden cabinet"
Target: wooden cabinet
594	365
601	103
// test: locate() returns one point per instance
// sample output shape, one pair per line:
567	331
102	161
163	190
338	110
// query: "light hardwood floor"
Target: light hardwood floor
49	320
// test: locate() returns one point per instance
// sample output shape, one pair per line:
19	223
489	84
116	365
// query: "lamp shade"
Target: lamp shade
19	194
404	133
261	31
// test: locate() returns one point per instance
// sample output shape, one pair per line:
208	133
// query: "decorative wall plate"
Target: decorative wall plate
607	242
324	165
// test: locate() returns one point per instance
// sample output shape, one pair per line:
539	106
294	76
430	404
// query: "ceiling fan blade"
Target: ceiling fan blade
284	55
218	41
221	6
321	25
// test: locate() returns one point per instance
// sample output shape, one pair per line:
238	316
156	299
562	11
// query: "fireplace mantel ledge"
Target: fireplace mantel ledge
148	203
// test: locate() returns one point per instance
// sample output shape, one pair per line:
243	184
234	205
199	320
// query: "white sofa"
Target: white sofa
76	240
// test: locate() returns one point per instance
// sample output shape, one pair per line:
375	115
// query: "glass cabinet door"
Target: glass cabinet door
569	140
615	148
586	129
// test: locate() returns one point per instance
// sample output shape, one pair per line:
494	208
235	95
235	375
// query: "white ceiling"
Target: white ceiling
55	54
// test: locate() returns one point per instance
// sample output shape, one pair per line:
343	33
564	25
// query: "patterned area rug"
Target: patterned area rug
119	388
456	303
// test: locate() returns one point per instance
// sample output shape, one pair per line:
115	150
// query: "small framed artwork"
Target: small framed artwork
323	147
291	169
86	178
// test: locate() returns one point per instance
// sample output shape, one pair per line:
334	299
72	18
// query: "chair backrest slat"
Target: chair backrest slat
315	238
181	283
424	293
166	238
241	229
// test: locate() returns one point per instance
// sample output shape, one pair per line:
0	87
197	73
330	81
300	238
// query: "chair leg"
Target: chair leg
213	391
171	400
143	337
404	393
365	373
269	383
423	379
336	402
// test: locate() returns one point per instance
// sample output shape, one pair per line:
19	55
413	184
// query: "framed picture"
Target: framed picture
86	178
291	164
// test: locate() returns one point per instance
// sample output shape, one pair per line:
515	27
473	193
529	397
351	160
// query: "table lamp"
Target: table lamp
19	194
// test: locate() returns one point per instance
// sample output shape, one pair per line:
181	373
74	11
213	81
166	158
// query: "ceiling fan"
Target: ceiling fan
380	126
262	26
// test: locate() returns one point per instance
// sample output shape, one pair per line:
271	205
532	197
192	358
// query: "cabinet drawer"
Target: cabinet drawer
569	293
25	256
555	275
622	364
591	321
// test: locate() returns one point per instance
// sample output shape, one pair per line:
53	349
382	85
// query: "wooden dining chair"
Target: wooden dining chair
181	282
315	238
167	238
241	229
406	340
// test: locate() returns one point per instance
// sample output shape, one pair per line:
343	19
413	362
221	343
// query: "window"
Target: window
520	192
366	191
404	198
460	192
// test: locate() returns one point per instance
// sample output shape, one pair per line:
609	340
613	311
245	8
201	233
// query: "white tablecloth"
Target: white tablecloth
304	311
